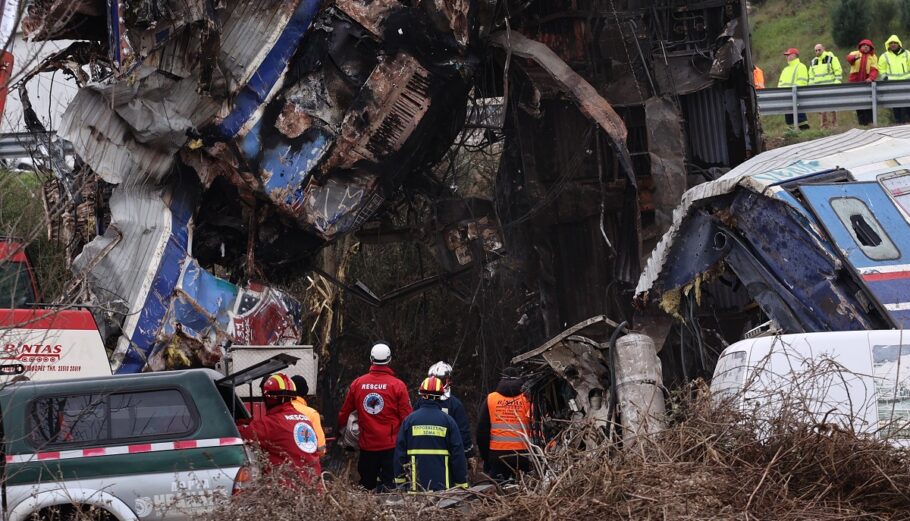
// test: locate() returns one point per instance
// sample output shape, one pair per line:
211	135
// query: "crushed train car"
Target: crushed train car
239	138
806	238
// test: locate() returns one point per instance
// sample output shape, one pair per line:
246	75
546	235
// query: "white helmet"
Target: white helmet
381	353
440	370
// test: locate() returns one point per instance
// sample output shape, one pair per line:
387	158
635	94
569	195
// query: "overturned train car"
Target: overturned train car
807	238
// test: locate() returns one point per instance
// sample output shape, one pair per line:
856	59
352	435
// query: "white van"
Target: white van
856	379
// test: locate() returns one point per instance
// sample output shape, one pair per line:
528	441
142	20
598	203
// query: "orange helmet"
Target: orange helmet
279	386
432	387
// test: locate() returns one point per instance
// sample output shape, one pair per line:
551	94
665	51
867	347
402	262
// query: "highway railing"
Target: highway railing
835	98
16	145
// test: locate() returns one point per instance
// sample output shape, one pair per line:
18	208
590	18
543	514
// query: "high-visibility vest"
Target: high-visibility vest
758	78
825	69
795	73
510	421
895	66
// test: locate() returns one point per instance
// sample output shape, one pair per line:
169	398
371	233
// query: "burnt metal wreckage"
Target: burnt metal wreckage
224	142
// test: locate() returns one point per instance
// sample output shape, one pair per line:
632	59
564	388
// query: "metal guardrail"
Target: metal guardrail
23	144
835	98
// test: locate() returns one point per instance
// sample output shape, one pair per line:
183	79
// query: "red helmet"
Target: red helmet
279	386
432	387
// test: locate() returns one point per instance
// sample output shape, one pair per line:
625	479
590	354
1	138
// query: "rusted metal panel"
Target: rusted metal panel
392	103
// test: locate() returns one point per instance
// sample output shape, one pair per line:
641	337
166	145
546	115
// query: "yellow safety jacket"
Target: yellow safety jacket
894	66
795	73
825	70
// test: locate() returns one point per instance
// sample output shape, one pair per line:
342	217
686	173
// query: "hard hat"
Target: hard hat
432	387
279	386
381	353
792	50
441	370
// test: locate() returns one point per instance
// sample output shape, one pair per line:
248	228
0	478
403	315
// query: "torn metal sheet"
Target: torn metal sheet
173	310
667	150
571	83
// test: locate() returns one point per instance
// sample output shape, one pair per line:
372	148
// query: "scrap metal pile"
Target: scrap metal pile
221	143
244	135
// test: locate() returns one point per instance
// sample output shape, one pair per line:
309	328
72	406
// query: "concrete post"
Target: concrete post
638	387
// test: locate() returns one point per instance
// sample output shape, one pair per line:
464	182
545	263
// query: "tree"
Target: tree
850	22
904	12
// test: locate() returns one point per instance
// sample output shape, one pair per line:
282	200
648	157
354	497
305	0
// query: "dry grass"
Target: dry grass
709	464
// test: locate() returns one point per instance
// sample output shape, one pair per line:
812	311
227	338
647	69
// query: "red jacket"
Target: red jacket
863	66
286	435
382	404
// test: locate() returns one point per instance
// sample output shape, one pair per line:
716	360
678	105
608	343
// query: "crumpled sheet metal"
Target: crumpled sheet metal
851	149
109	124
313	136
142	268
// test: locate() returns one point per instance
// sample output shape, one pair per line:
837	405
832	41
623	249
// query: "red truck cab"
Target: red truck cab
18	284
42	342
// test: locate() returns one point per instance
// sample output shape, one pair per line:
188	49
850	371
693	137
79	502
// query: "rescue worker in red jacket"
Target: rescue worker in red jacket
283	433
504	428
863	69
382	403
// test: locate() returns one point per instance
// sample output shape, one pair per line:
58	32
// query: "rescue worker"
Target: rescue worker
429	454
452	405
504	427
283	433
825	69
894	65
794	74
382	403
758	78
303	390
863	69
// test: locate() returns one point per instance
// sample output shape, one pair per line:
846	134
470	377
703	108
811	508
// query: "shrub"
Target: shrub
850	22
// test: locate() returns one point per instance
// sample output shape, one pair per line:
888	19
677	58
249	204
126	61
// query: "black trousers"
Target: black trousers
375	469
801	117
504	464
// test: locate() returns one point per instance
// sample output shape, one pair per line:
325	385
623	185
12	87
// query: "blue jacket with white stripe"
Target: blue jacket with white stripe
429	454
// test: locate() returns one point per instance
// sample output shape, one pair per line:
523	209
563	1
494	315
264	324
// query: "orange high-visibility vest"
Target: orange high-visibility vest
510	421
758	78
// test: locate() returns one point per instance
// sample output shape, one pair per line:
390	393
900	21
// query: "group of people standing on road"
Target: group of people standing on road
421	449
825	69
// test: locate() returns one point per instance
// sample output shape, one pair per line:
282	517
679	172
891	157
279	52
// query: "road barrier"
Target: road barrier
835	98
23	144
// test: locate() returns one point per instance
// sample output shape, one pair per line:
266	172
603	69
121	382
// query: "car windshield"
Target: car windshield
15	288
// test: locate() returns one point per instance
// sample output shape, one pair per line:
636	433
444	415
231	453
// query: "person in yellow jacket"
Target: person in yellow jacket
312	414
894	65
796	74
825	69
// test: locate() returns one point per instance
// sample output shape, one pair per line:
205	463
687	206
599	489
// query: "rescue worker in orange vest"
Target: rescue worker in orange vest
758	78
299	403
504	428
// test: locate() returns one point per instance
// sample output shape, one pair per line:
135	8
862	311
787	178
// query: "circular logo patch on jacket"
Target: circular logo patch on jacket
305	437
373	403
